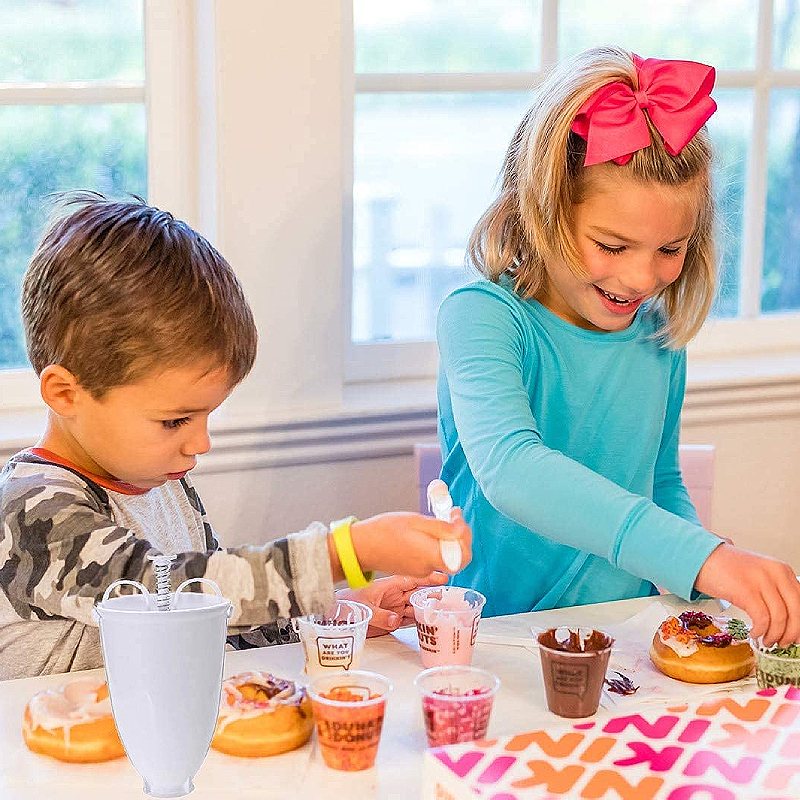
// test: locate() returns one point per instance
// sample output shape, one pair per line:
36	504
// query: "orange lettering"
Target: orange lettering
556	781
555	748
751	711
598	749
605	779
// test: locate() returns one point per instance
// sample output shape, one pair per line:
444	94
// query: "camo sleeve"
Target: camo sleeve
60	548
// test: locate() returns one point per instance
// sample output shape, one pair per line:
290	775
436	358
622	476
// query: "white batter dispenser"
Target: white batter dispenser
164	657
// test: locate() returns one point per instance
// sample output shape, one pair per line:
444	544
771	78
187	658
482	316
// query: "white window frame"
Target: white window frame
250	134
751	332
171	140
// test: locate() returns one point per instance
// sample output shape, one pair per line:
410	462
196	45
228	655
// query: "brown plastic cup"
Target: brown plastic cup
574	665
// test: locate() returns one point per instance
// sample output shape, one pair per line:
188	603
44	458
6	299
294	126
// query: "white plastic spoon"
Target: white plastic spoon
440	504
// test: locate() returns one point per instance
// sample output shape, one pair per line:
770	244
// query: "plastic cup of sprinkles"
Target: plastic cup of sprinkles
456	703
777	666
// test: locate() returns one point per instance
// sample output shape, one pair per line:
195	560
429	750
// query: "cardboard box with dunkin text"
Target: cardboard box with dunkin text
744	745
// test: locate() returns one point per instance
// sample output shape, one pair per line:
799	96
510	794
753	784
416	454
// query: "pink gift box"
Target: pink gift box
743	745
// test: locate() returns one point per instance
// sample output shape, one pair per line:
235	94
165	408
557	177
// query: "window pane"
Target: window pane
730	133
786	42
677	29
80	40
425	169
54	148
781	278
446	35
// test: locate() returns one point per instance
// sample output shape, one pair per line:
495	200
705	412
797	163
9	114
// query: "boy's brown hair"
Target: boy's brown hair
117	289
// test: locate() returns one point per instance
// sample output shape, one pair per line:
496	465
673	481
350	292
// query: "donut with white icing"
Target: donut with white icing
73	722
262	715
696	648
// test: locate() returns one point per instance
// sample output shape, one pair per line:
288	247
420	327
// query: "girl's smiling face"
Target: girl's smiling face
632	239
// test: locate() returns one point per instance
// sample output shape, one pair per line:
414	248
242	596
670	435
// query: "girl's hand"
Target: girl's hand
408	544
388	599
767	589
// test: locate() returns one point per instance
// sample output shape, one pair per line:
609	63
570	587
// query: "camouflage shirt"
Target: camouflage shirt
64	538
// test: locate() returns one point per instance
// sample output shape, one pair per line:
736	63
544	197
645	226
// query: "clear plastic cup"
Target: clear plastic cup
774	670
447	620
335	640
456	703
574	664
348	712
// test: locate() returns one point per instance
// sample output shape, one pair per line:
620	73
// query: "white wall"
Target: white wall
757	486
262	504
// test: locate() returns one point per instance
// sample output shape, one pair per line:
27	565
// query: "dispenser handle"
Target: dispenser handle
96	608
208	582
138	585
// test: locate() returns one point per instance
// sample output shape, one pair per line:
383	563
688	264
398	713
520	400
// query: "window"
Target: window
303	161
440	86
72	115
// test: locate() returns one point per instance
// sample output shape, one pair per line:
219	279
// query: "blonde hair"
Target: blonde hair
543	178
116	290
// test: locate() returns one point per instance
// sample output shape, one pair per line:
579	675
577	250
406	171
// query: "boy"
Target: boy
138	329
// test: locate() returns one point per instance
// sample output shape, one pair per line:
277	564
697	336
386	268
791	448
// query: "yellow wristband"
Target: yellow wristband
343	542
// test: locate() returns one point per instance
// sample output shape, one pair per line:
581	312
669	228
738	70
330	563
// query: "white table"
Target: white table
519	706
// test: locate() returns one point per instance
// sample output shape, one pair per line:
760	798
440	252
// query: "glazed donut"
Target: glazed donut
696	648
261	715
73	723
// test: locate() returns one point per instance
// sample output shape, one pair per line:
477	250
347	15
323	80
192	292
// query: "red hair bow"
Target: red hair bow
675	95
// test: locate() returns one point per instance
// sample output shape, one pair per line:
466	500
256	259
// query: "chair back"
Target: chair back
697	468
696	461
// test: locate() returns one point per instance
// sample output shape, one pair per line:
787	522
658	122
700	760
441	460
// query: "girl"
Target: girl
562	374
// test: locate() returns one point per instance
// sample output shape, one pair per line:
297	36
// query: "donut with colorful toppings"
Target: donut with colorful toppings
696	648
262	715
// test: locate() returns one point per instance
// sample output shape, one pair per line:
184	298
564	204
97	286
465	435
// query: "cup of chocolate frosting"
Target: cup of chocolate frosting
574	664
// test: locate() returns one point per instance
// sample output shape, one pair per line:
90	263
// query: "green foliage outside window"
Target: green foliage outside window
53	149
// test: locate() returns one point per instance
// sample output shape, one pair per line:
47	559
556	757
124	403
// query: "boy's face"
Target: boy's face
149	432
632	239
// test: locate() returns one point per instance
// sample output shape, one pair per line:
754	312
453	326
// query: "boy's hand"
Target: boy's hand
767	589
388	599
407	543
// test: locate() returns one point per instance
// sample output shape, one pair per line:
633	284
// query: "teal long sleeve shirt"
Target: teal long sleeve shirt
561	446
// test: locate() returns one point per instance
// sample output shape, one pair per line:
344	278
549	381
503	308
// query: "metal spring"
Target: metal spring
161	567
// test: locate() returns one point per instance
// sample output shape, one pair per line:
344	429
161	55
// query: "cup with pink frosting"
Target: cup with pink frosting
447	620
